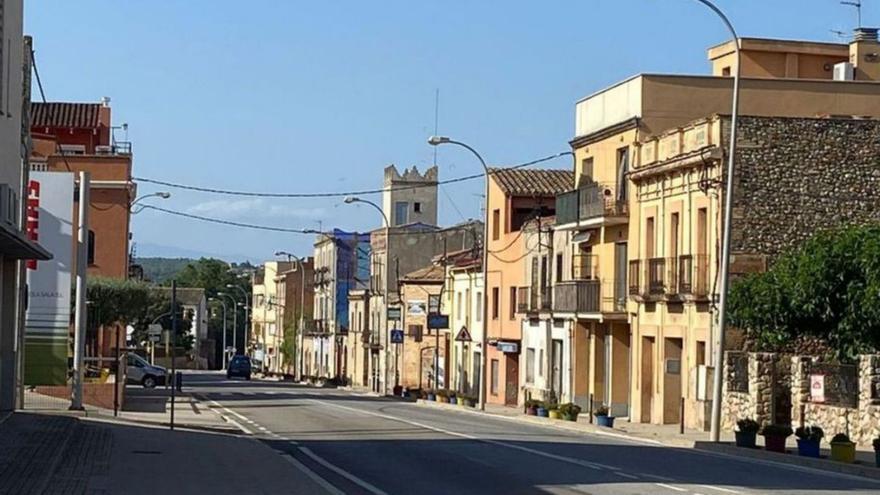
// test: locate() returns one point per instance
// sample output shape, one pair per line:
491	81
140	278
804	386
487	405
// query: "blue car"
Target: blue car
239	366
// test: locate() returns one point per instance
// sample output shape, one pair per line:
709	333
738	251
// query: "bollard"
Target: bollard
681	423
591	408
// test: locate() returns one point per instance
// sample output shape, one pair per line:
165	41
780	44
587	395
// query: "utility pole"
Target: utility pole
80	318
173	342
23	194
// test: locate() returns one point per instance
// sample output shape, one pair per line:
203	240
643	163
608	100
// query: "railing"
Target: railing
524	300
672	277
533	299
315	327
693	275
589	201
635	278
656	276
584	267
577	296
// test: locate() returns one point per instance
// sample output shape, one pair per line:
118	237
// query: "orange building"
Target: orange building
515	196
78	137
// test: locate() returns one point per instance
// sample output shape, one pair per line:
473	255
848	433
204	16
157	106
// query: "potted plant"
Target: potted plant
542	410
570	411
532	407
430	395
746	432
462	399
602	416
443	396
554	413
808	438
876	444
843	449
453	398
774	437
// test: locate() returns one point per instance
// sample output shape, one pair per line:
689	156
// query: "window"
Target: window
530	365
479	315
649	237
91	248
541	362
415	331
702	225
622	168
459	310
495	303
725	71
512	303
701	352
673	235
559	267
400	211
493	386
417	207
496	225
587	169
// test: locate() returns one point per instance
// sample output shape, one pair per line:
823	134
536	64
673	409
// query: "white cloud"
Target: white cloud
254	208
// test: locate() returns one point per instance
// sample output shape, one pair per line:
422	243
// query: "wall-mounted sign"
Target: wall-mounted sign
416	308
438	321
508	347
817	388
434	304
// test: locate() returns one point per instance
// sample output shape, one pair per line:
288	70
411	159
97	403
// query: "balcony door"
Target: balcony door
620	268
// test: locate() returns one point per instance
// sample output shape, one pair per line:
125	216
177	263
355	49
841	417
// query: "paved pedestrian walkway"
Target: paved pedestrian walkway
52	454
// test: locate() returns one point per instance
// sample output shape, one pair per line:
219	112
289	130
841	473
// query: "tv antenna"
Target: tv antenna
858	6
840	34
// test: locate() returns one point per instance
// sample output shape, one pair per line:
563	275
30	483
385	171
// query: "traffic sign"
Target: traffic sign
463	335
396	336
393	313
154	329
438	321
153	338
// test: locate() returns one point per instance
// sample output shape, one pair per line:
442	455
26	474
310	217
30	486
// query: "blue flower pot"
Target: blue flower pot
745	439
432	397
607	421
542	412
808	448
877	457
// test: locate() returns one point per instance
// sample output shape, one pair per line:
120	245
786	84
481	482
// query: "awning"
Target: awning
584	236
14	245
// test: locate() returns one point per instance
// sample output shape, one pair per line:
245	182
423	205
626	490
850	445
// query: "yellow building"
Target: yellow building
609	225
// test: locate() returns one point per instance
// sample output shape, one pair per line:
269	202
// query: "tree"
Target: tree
288	346
826	290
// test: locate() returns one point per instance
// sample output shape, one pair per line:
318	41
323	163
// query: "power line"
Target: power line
43	97
341	193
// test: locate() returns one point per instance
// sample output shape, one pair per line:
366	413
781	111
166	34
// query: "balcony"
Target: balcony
315	328
591	205
533	299
590	296
693	276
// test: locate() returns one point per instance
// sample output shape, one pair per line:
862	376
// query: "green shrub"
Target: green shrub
747	425
774	430
809	433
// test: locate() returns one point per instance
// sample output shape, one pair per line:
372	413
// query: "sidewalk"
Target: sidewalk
56	454
669	435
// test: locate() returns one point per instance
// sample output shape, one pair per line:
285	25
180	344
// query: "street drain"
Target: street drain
146	452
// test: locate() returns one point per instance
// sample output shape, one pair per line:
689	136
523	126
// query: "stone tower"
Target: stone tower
404	204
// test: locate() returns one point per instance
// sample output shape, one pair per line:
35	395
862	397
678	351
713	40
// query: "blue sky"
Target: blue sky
295	96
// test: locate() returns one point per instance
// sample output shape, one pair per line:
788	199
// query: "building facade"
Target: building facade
266	324
423	354
464	306
295	300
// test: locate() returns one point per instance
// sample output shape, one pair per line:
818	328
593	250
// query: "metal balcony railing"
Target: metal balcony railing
656	276
533	299
577	296
589	201
693	278
635	278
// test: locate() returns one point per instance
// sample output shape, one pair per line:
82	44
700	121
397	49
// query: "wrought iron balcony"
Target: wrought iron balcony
577	296
693	278
533	299
590	201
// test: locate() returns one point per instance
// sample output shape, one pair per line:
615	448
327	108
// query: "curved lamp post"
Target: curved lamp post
161	194
354	199
437	141
247	308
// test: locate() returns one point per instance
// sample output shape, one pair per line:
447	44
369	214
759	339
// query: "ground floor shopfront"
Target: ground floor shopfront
601	364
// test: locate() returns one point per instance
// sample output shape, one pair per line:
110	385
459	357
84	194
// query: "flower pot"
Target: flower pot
442	400
745	439
398	390
808	448
462	402
432	397
877	458
532	411
843	452
471	403
542	412
572	417
554	414
453	400
566	417
774	443
607	421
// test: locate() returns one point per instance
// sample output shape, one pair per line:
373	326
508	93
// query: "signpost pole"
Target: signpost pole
79	339
173	342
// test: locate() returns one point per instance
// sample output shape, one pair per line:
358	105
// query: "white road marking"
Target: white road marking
655	477
354	479
720	489
570	460
313	475
626	475
670	487
262	428
230	420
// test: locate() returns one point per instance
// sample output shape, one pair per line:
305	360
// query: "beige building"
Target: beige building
266	326
624	234
463	303
417	355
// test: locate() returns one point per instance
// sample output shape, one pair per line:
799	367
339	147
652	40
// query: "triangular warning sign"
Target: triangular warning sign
463	335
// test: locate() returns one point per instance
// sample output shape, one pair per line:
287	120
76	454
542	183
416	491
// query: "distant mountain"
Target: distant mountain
150	250
161	269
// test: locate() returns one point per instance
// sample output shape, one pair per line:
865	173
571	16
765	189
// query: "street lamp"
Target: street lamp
234	321
715	430
225	351
247	308
354	199
161	195
437	141
302	304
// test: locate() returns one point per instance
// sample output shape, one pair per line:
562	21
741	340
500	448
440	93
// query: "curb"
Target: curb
861	470
726	449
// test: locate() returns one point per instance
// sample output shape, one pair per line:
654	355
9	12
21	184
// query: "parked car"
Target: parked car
139	371
239	366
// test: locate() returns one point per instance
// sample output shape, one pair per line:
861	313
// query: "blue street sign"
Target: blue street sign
397	336
438	321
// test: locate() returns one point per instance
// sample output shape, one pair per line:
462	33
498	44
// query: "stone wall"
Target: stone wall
796	176
769	384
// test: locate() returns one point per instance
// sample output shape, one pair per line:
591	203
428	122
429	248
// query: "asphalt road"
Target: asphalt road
358	444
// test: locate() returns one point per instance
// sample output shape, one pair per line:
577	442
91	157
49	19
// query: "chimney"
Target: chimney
864	54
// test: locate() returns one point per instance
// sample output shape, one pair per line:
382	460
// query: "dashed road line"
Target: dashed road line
338	470
670	487
719	488
626	475
313	475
